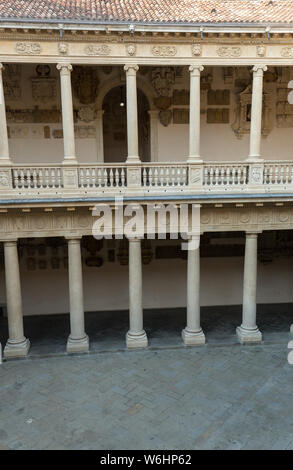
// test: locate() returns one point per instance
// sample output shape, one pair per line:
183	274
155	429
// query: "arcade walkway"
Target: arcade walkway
48	333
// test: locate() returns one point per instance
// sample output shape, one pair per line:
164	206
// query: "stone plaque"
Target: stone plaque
181	116
218	116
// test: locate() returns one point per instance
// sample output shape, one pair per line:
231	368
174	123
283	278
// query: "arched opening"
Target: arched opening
115	126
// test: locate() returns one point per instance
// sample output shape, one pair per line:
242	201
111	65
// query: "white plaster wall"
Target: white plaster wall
164	285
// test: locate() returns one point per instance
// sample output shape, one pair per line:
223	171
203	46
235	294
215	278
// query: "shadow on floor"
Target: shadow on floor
107	330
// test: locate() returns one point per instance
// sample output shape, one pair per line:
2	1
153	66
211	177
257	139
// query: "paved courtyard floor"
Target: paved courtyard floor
218	396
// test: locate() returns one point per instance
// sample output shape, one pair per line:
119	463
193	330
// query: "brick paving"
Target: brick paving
219	396
229	397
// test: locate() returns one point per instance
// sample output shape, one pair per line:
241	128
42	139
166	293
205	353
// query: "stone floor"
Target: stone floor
219	396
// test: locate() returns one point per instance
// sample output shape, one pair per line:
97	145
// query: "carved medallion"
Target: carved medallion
131	49
97	49
86	114
261	51
164	51
62	48
196	49
28	48
229	51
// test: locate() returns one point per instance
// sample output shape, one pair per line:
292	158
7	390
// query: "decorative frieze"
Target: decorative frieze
229	51
164	51
28	48
97	49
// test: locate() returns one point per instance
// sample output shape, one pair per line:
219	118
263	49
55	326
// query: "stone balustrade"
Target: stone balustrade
18	181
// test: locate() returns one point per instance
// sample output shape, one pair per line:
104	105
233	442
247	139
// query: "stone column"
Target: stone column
136	336
100	136
17	345
193	334
132	119
67	113
78	340
194	113
248	332
256	112
4	149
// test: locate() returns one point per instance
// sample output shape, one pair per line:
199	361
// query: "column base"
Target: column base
78	345
248	336
17	349
191	338
136	341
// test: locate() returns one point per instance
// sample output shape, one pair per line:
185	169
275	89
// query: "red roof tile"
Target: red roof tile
150	11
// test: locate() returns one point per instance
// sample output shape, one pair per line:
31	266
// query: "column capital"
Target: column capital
12	242
65	69
131	69
73	238
253	234
259	69
196	69
100	113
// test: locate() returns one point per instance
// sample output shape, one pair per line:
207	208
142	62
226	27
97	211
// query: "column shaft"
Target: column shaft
194	120
193	333
17	345
78	340
67	113
248	331
256	112
4	148
136	336
132	118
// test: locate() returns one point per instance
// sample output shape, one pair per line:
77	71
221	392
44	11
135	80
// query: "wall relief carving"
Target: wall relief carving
241	124
11	81
86	113
44	88
163	78
27	48
85	84
164	51
229	51
165	117
284	110
287	52
97	49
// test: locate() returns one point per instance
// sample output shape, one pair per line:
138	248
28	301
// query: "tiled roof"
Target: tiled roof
150	11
